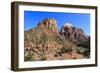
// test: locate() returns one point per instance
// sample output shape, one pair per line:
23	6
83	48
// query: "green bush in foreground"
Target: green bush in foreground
84	51
64	50
30	56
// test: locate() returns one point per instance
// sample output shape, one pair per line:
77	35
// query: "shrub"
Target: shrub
43	58
29	56
42	55
64	50
80	50
87	53
84	51
85	44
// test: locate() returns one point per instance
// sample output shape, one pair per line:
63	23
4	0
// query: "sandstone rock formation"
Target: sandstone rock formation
71	32
49	24
45	42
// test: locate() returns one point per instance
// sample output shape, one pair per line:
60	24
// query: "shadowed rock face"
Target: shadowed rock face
45	42
71	32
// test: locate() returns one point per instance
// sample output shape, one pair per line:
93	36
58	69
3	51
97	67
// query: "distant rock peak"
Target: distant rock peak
69	31
68	25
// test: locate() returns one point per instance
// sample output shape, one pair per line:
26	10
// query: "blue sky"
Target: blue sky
80	20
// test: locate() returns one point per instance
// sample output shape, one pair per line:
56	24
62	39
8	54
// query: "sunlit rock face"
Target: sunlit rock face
49	24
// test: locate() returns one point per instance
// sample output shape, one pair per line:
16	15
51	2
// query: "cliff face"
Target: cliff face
45	42
49	25
71	32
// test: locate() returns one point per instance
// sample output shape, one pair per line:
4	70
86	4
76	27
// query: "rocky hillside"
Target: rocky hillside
45	42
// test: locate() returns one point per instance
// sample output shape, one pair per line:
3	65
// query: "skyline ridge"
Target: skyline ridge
79	20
